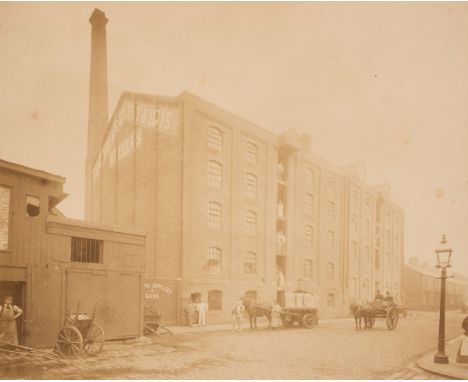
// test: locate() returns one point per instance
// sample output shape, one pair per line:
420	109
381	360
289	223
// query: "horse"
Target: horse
359	312
254	310
356	311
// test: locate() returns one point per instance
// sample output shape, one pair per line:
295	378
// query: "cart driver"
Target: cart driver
379	296
389	297
8	315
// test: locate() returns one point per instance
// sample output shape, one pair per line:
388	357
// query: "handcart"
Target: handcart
80	333
152	322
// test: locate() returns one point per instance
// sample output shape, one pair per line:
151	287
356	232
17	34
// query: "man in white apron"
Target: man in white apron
8	315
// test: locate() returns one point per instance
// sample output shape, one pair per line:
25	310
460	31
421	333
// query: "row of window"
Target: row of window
250	264
215	213
215	179
216	142
309	237
310	181
355	201
355	225
396	256
215	258
309	270
354	251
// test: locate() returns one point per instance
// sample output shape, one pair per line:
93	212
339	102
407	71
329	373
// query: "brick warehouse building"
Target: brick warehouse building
230	208
49	263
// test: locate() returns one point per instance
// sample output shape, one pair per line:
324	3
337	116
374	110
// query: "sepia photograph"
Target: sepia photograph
233	190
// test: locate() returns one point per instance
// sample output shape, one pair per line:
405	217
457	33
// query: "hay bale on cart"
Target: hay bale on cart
300	307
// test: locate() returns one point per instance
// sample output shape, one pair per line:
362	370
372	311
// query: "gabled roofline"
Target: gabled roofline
15	167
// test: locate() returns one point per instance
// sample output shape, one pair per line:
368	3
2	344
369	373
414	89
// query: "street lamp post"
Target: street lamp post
444	253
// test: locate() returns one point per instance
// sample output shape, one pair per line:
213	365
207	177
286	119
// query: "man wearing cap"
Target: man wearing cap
8	315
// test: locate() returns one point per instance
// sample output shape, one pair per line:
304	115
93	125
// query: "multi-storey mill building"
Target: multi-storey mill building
232	209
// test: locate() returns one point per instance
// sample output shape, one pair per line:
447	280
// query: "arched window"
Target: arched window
365	288
195	297
215	174
331	211
354	286
309	235
309	204
331	240
368	258
354	251
377	259
214	260
250	263
215	300
331	186
251	185
310	176
355	198
354	222
214	215
251	223
330	300
367	204
215	138
367	228
330	271
251	152
377	286
308	268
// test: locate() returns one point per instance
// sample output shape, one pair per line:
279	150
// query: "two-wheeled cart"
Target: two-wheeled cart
387	311
80	333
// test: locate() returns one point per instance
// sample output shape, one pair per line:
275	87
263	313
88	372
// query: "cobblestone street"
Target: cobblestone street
333	350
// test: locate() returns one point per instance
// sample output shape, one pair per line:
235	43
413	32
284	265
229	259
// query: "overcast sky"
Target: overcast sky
385	84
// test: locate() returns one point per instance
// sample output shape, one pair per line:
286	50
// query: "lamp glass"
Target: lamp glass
444	253
443	258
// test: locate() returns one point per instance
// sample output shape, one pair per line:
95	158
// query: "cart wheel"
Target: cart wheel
309	320
392	319
94	340
69	341
370	321
287	319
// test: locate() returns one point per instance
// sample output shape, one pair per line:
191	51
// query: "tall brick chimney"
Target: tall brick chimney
98	104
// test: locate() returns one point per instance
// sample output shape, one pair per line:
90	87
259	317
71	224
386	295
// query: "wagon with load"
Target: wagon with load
300	307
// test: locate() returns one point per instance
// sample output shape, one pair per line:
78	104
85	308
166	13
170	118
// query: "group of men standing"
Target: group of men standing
196	312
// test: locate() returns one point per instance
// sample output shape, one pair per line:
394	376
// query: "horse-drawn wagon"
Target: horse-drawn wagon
387	310
301	308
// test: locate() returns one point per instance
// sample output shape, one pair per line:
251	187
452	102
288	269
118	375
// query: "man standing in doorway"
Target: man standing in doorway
8	315
202	308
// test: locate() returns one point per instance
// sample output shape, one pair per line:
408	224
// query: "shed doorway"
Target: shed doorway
17	290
